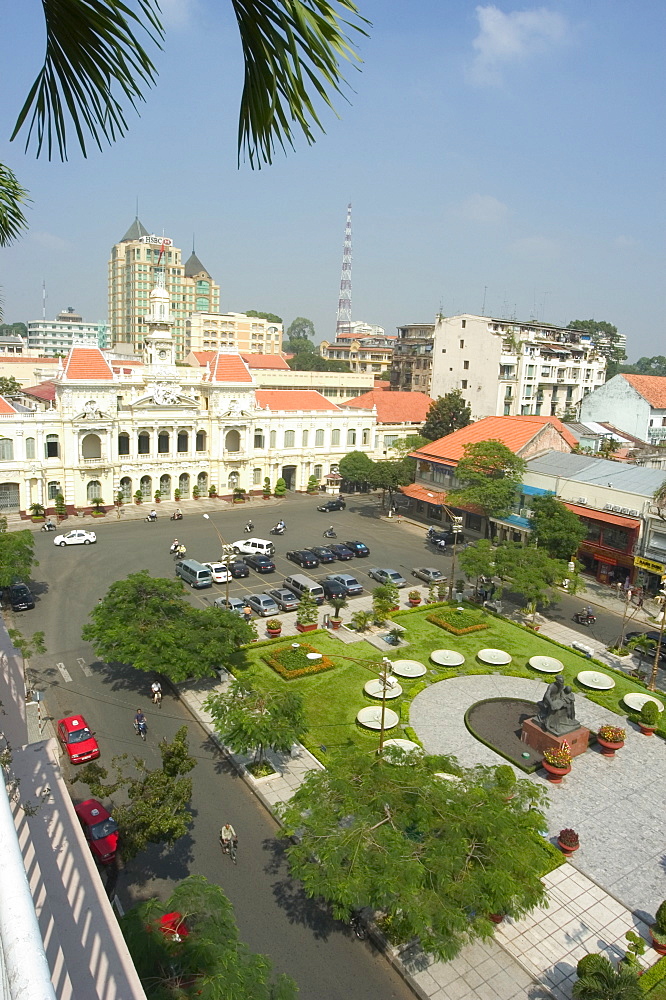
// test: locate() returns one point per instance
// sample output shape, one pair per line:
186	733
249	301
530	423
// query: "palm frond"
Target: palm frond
91	49
292	51
12	196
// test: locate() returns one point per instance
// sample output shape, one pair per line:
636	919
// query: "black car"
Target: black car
238	569
337	504
445	536
262	564
323	553
20	597
304	558
358	548
654	639
333	589
341	551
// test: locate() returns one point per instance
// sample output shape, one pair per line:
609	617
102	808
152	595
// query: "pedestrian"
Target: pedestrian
247	612
641	598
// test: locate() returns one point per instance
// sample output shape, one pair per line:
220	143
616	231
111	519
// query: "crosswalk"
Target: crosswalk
65	674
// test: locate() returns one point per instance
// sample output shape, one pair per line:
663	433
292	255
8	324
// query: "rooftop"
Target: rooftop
264	361
229	368
651	387
393	407
45	391
293	399
599	471
6	407
86	364
514	432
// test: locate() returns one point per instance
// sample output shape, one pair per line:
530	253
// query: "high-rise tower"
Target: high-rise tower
343	324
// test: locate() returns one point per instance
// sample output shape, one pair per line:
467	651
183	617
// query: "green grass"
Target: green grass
332	699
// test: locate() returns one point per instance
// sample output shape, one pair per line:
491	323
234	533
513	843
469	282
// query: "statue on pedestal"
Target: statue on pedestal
557	713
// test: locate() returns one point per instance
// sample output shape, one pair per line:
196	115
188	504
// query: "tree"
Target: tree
13	330
385	597
147	622
556	528
310	361
606	341
248	717
301	329
209	961
17	556
9	386
301	346
411	442
435	857
478	560
388	476
280	487
607	983
356	467
647	366
447	414
269	317
490	475
532	572
27	646
155	804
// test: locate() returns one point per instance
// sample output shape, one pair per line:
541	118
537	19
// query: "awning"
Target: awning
605	516
423	493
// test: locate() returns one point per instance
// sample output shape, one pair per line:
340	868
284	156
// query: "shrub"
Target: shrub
138	496
280	487
439	618
589	964
313	485
290	663
568	837
505	777
414	595
362	620
212	491
660	918
157	496
649	714
36	509
97	502
195	492
267	487
60	505
177	494
308	610
654	975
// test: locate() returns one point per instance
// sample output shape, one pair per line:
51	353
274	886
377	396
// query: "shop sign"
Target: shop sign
650	565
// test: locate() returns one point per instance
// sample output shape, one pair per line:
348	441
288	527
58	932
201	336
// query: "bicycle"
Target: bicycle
157	697
230	847
358	927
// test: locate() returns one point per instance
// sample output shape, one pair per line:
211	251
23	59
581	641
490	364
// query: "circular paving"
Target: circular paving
375	689
596	680
546	664
371	718
636	700
408	668
497	657
447	657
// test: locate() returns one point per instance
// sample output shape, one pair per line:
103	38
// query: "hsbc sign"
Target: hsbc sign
160	241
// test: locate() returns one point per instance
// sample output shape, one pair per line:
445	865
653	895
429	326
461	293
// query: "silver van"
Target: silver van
194	573
301	584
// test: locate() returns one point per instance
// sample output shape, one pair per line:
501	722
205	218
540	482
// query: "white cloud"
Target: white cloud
49	240
508	38
483	208
177	13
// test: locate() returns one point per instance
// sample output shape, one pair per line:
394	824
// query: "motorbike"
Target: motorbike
176	516
141	729
174	547
151	517
329	533
248	527
278	529
585	618
48	526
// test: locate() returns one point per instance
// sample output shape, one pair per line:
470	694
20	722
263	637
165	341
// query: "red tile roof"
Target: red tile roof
651	387
427	495
602	515
203	357
265	361
514	432
86	363
45	391
229	368
6	407
293	399
394	407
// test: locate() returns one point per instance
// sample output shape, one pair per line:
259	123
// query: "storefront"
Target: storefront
430	506
649	573
607	551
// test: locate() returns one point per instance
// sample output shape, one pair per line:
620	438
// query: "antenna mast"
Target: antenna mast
343	324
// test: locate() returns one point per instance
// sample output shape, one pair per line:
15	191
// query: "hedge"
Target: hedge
655	974
443	623
290	663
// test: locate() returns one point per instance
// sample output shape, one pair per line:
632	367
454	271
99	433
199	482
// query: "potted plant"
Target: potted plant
37	511
138	497
362	620
195	492
273	627
212	491
120	498
60	506
568	841
414	598
177	494
307	614
337	603
157	495
393	637
97	502
557	762
266	489
610	739
238	495
635	948
649	718
280	487
658	930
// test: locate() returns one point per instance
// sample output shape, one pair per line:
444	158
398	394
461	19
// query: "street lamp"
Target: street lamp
227	552
652	684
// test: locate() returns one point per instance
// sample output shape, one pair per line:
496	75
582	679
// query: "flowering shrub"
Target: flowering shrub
289	662
560	757
459	626
568	837
613	734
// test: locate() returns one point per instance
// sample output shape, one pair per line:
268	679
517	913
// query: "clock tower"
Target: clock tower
159	348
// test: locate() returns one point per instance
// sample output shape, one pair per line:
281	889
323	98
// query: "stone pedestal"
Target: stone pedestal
535	737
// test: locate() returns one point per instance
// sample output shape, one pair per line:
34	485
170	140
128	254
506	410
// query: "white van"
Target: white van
302	584
254	546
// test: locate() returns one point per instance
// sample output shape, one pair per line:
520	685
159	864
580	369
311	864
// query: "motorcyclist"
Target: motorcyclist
48	526
140	723
281	525
175	545
249	527
153	515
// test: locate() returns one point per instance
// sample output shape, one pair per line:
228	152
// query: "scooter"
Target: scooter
249	527
151	517
176	516
48	526
585	618
278	529
329	533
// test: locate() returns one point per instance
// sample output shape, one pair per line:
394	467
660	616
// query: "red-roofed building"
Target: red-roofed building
6	408
265	362
40	397
394	407
633	403
230	368
291	400
86	364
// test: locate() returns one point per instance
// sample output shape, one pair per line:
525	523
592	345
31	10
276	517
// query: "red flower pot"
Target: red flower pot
414	604
555	774
646	730
496	918
607	747
658	946
567	848
306	628
273	633
335	622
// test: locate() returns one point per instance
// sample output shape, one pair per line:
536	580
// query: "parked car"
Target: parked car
653	636
337	504
358	548
348	582
218	571
387	576
262	564
20	597
284	598
263	605
428	574
100	828
322	552
341	551
304	558
233	604
76	537
238	569
253	546
77	739
332	588
445	536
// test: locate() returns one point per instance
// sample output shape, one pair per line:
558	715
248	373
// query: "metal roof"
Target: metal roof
600	471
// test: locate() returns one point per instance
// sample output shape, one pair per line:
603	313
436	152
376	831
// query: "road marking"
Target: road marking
65	672
84	666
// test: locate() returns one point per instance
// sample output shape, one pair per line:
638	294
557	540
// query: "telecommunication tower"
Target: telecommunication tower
343	324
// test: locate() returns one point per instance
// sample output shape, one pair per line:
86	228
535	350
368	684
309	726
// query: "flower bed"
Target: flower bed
456	622
289	662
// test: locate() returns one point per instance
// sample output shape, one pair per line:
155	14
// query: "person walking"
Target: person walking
247	612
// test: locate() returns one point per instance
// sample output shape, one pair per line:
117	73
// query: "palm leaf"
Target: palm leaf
292	51
12	196
91	49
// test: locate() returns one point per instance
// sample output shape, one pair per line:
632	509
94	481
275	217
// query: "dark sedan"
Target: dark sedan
304	558
341	551
358	548
333	589
238	569
323	553
262	564
653	639
20	597
337	504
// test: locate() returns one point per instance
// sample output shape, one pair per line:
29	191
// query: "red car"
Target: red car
77	739
173	926
100	828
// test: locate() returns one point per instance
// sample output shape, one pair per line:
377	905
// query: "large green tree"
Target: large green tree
489	474
389	475
147	622
310	361
209	962
301	328
446	414
556	528
435	857
9	386
356	467
606	340
531	571
478	560
17	555
154	806
271	317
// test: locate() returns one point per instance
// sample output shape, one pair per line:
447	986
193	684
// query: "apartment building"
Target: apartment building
411	367
56	336
365	354
511	368
208	331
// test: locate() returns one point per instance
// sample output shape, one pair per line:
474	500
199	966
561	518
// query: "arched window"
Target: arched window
163	443
165	487
200	444
232	441
233	480
259	439
29	447
289	439
273	439
52	448
366	436
317	471
91	446
144	443
123	443
52	490
6	449
184	484
351	436
304	439
256	477
183	442
93	490
125	487
319	439
335	437
202	482
146	487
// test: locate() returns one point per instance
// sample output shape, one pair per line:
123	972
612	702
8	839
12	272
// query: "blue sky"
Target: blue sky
507	152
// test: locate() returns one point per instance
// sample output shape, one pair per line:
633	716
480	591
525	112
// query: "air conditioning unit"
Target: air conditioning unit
582	500
618	510
524	512
634	512
625	510
609	506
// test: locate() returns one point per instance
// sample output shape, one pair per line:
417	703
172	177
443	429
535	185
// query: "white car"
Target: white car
76	537
253	546
219	572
